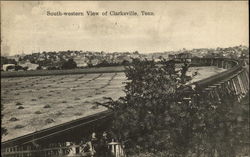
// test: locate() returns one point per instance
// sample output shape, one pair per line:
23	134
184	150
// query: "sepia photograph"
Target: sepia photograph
125	79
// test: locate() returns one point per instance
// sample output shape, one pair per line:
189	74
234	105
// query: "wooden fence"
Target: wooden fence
61	150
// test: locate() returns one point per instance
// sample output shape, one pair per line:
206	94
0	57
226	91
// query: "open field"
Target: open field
39	102
35	103
62	72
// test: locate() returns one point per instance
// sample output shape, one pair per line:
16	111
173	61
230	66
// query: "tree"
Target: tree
158	114
149	107
70	64
5	60
3	129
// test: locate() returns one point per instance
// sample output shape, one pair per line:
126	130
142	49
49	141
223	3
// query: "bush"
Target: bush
94	107
18	104
13	119
38	112
59	113
49	120
47	106
20	107
18	127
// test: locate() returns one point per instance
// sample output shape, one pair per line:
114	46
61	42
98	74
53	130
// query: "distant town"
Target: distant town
82	59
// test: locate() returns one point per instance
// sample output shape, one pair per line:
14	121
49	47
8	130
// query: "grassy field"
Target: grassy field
62	72
35	103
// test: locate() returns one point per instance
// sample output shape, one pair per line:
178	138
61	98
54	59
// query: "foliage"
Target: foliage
5	60
149	107
227	127
3	129
105	63
157	115
70	64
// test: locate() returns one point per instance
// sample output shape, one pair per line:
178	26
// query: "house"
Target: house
94	61
81	61
9	67
28	65
171	56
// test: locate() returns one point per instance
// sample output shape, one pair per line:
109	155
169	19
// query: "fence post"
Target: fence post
116	149
21	149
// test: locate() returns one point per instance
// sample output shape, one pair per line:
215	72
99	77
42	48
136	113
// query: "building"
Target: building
28	65
9	67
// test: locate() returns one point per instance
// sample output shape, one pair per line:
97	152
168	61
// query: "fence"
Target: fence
234	81
62	150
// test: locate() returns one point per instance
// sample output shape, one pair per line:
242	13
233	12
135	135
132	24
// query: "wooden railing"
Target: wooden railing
74	150
235	79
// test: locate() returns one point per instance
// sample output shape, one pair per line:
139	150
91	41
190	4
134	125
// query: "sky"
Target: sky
26	28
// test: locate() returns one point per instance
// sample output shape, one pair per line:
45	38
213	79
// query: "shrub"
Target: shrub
18	127
47	106
94	107
38	112
49	120
59	113
20	107
18	104
13	119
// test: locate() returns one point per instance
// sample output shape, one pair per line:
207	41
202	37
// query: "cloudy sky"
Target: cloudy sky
175	25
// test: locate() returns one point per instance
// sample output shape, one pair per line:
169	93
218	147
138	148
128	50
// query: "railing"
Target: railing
234	80
45	134
115	149
231	65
